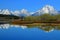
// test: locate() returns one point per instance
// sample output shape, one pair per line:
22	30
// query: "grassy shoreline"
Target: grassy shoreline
31	23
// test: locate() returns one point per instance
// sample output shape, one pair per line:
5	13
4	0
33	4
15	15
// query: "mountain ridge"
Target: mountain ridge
46	9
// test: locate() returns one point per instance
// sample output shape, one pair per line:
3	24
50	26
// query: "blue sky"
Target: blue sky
31	5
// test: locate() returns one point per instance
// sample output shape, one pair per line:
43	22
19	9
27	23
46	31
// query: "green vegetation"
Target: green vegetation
43	18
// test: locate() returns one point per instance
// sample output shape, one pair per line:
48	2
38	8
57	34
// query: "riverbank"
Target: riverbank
32	23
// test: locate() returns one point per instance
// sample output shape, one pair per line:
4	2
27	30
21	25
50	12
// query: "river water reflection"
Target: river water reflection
20	32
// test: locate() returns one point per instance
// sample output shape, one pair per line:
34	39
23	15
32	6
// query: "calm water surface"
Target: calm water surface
16	32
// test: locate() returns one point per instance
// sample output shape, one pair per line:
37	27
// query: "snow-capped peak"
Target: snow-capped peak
48	9
24	11
6	12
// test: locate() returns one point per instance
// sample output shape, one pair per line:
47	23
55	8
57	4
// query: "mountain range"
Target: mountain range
46	9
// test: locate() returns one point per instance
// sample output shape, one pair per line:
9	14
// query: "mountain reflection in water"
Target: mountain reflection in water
6	26
46	28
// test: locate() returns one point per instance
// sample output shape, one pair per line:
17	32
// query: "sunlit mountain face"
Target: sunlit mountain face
46	10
